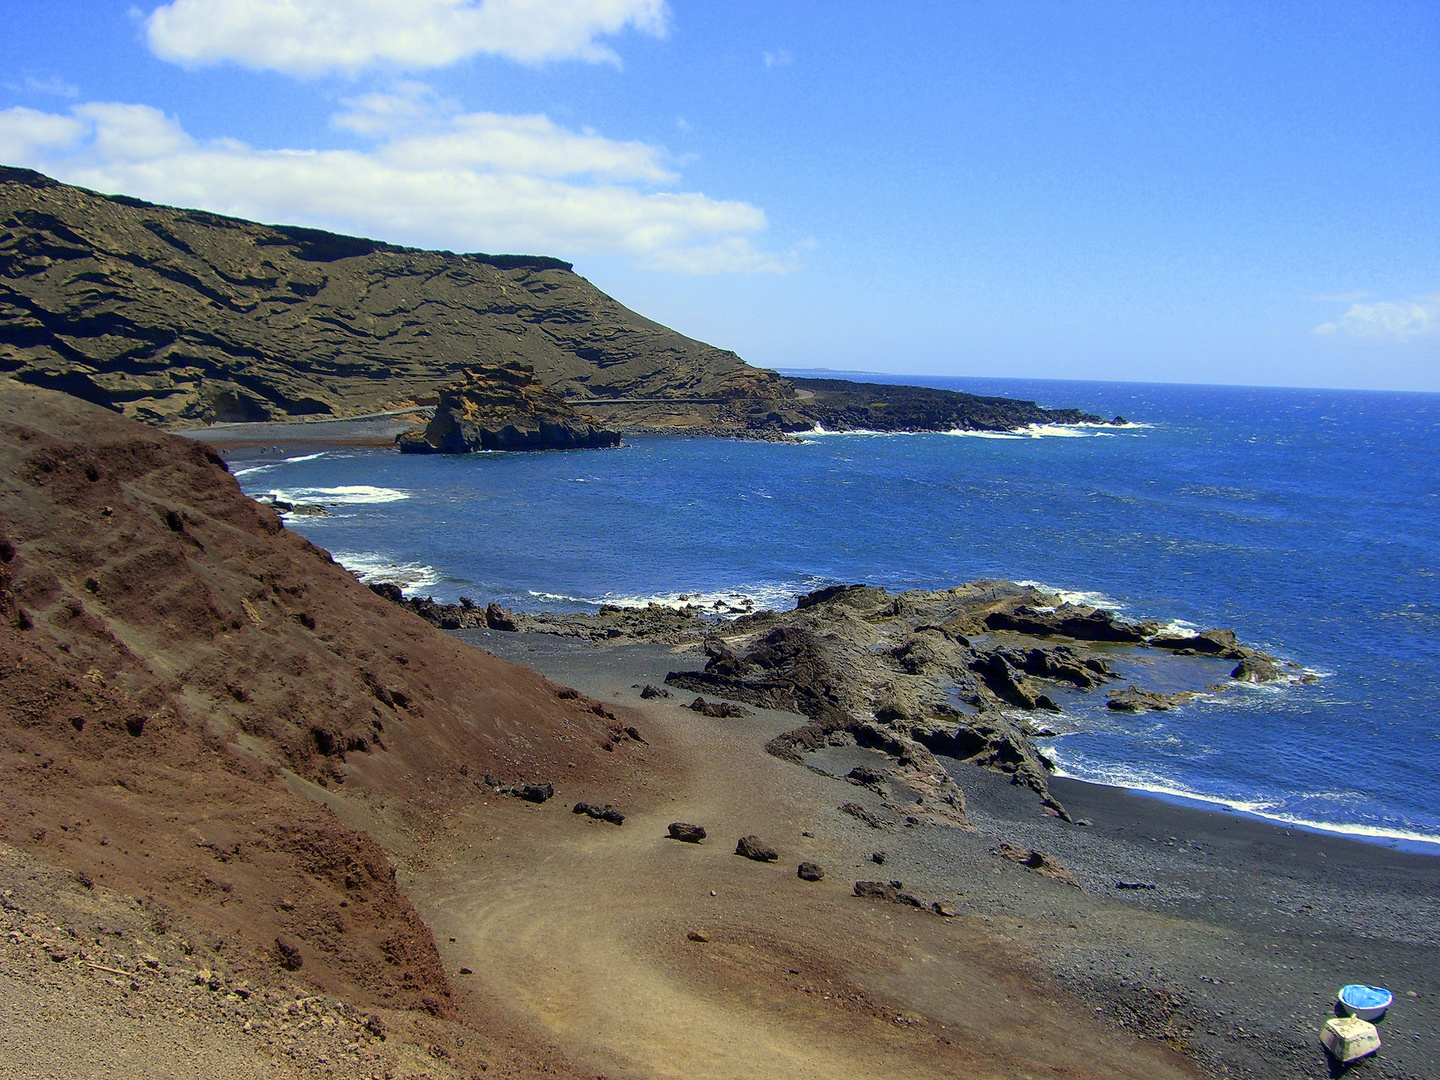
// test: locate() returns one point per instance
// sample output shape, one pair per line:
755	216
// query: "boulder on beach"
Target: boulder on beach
684	831
809	871
752	847
600	813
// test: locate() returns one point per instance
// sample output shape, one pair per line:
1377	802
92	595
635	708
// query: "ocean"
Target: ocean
1307	520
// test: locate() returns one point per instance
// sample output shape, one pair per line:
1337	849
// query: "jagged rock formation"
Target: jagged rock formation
182	318
504	408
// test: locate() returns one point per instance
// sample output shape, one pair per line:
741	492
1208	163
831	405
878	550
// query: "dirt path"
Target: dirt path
578	931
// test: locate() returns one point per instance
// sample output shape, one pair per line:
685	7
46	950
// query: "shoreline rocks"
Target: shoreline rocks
950	672
503	408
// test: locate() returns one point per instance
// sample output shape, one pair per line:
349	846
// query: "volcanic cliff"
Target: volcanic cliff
182	318
185	686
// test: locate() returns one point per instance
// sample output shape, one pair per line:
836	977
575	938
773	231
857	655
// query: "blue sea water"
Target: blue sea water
1308	520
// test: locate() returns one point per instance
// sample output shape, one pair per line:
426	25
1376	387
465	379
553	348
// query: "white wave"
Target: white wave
276	464
1132	779
349	495
731	602
1079	597
1030	431
373	567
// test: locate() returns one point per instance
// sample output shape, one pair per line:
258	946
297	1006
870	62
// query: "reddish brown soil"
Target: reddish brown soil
177	671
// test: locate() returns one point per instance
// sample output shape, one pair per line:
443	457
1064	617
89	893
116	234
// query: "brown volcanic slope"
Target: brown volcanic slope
175	667
180	317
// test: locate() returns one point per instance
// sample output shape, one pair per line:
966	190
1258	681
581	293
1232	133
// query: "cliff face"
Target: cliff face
177	670
180	318
504	408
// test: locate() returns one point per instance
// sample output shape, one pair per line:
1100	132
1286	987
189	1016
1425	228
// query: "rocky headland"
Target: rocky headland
182	318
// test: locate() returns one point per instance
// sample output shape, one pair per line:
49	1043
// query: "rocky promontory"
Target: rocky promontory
503	408
961	672
183	318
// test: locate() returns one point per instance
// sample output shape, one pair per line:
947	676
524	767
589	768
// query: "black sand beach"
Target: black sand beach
1233	957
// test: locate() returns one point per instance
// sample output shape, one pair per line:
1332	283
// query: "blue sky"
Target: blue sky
1233	193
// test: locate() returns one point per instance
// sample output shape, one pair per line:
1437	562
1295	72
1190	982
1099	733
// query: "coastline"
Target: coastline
1233	957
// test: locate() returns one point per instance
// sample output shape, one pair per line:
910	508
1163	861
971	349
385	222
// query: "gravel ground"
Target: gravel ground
1233	957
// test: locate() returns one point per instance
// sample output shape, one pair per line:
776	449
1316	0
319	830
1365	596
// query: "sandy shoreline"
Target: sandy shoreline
1232	958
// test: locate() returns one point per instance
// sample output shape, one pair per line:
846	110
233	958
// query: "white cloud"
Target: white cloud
312	37
476	181
1389	320
778	58
434	135
28	133
52	85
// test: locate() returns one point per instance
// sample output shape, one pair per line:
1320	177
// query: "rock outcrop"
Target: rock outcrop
503	408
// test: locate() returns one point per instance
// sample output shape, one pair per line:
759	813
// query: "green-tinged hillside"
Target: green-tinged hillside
181	317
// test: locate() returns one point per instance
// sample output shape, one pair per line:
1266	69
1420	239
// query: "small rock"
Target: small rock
289	954
654	692
683	830
864	774
536	793
698	935
721	709
809	871
466	971
945	908
600	813
859	812
878	858
1255	669
752	847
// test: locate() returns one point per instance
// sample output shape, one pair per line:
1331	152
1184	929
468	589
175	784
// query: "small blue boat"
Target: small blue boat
1366	1002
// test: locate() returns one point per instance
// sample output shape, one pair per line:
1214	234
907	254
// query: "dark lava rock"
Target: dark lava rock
839	404
1133	699
600	813
503	408
1072	621
654	692
1122	884
683	830
944	908
499	618
1256	669
862	597
721	709
864	774
752	847
1206	643
878	858
536	793
809	871
859	812
893	891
